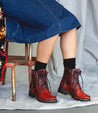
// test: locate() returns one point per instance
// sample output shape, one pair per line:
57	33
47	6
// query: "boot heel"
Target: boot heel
31	94
63	91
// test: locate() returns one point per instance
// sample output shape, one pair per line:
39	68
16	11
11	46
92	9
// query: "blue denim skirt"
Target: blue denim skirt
29	21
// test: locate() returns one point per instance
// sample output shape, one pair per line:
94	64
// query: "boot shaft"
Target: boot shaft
70	79
39	80
72	76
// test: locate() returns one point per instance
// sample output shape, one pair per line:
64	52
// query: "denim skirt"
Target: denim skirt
29	21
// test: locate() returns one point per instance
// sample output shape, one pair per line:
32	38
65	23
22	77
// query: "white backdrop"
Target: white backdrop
87	54
87	13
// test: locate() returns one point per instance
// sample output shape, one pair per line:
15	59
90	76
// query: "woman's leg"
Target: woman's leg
68	44
70	81
39	85
45	49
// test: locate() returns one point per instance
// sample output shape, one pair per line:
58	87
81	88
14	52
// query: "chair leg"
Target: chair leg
30	60
4	76
13	84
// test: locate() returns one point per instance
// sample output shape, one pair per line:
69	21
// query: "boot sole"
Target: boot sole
45	101
65	92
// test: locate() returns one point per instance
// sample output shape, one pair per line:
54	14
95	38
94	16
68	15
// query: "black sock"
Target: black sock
69	63
40	65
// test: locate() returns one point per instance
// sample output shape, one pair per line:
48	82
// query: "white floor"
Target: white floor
87	109
24	102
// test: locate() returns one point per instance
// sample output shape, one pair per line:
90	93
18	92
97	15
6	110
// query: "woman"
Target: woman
42	21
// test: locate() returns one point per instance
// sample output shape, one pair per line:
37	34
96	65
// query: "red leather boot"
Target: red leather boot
39	87
70	85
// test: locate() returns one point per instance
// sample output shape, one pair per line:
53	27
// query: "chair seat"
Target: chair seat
19	60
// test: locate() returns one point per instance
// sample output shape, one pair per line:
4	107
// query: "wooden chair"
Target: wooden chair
13	61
